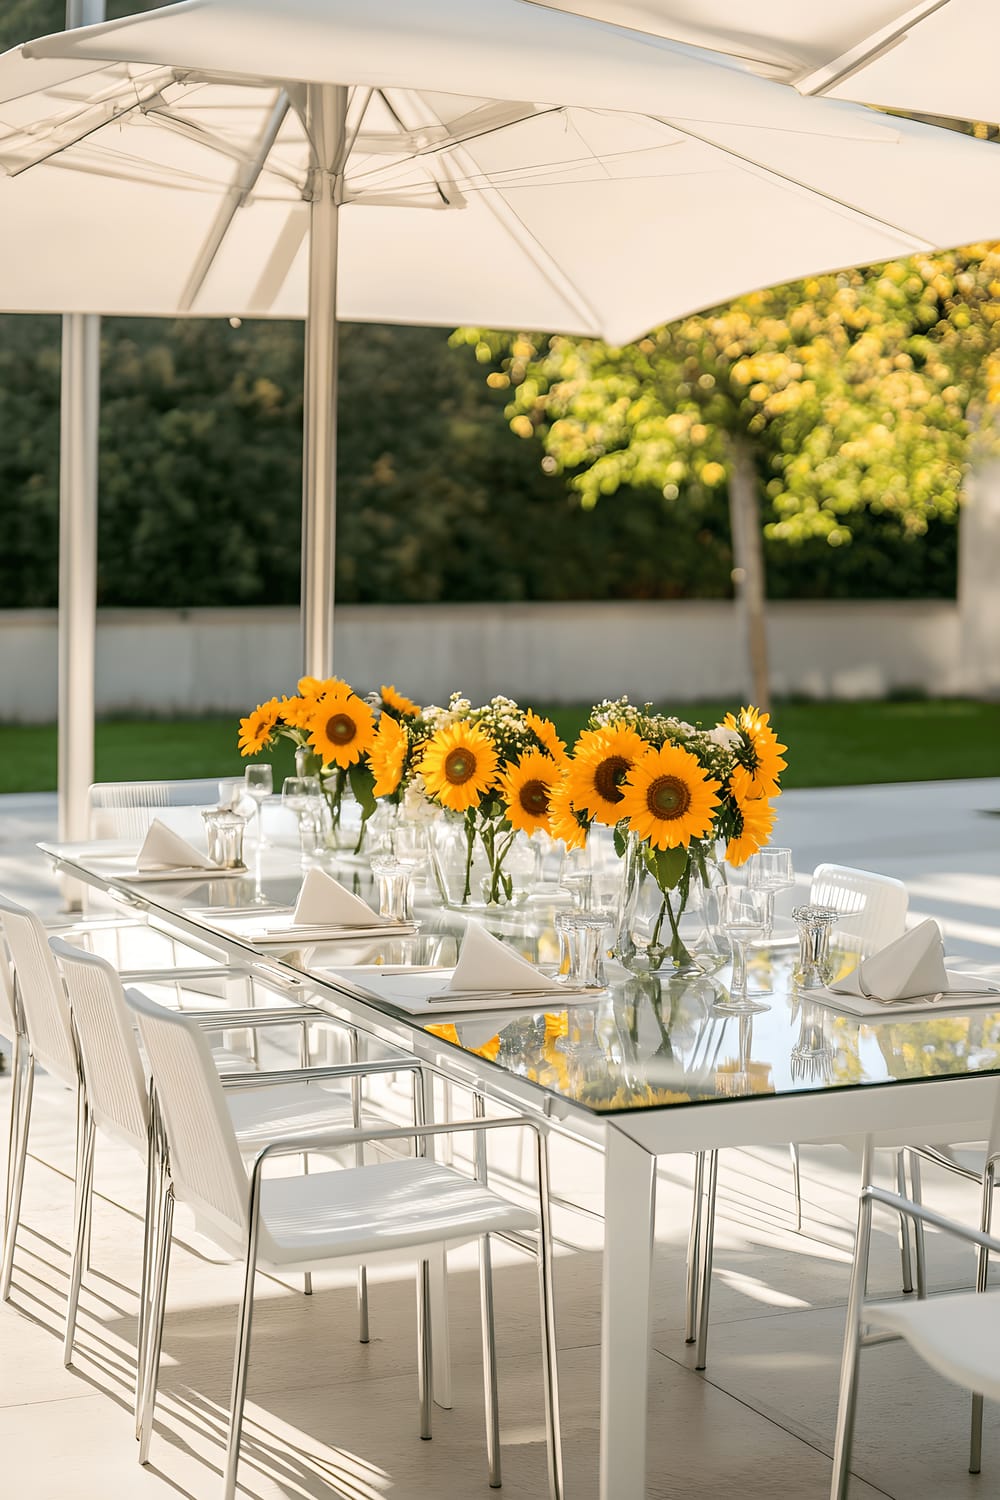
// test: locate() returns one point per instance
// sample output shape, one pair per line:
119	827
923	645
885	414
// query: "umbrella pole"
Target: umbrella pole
77	629
326	115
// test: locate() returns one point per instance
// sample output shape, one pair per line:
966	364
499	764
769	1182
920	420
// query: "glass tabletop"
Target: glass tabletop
646	1042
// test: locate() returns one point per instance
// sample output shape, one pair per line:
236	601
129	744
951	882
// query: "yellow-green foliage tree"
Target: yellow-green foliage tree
810	402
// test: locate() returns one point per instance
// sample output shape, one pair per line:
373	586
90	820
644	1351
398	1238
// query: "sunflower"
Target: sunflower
526	786
756	817
448	1032
398	704
601	760
298	712
316	687
545	732
342	727
458	765
765	745
257	728
669	798
387	755
564	822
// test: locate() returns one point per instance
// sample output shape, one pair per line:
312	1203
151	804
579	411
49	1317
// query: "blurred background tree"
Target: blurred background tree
829	404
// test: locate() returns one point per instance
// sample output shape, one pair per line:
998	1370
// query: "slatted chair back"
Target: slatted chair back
125	809
872	907
117	1093
40	991
205	1163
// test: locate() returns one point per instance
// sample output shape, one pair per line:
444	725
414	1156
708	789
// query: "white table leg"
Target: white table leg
629	1209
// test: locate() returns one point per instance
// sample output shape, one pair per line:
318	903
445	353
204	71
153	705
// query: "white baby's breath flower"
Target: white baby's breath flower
726	739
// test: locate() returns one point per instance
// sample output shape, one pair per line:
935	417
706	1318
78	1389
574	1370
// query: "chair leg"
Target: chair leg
550	1354
707	1253
793	1151
425	1378
151	1372
359	1158
146	1276
916	1196
491	1388
17	1085
694	1251
982	1275
17	1178
241	1365
847	1405
81	1217
904	1228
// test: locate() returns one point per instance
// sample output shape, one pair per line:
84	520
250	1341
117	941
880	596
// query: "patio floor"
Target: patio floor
328	1416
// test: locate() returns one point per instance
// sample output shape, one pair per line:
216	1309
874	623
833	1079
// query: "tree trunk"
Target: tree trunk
748	566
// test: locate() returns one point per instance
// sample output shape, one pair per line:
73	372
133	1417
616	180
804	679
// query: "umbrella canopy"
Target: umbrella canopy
499	163
936	57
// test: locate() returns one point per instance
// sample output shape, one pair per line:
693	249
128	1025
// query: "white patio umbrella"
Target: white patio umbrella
937	57
486	161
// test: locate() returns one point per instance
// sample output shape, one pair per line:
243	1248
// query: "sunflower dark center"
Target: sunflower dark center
534	798
668	797
341	729
609	776
459	765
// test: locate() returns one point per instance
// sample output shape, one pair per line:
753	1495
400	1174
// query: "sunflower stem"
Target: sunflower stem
470	840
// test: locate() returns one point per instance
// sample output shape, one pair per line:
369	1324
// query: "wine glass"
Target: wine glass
259	785
744	918
771	870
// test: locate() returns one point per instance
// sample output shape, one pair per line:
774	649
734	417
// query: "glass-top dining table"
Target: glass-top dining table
647	1067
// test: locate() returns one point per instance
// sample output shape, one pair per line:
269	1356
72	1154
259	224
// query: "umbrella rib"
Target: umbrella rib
870	47
912	241
237	193
110	113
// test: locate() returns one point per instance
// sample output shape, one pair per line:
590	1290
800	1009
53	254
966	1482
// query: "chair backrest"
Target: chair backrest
8	1014
40	990
109	1050
872	907
205	1163
125	809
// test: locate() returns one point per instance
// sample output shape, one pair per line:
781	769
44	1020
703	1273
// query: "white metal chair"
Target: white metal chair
410	1208
872	907
873	913
958	1335
125	809
44	1036
116	1098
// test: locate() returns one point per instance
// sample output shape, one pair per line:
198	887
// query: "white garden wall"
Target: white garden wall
202	661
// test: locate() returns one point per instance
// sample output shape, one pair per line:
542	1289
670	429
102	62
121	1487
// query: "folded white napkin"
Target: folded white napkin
911	966
163	849
323	901
484	963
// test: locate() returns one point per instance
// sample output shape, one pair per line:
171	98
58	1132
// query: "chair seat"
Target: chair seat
284	1110
228	1061
365	1211
959	1336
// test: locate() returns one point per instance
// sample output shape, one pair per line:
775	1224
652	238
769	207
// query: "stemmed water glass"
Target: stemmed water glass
771	870
259	785
744	918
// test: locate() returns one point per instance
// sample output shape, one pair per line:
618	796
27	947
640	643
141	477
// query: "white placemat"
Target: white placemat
424	993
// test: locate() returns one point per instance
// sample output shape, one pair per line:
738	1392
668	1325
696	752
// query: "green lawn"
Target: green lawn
830	744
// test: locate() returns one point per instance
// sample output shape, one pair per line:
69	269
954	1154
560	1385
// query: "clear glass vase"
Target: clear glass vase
674	931
480	865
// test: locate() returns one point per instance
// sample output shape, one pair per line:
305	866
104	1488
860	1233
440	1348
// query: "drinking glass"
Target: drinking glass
302	796
815	966
394	881
744	918
583	932
409	844
259	782
771	870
